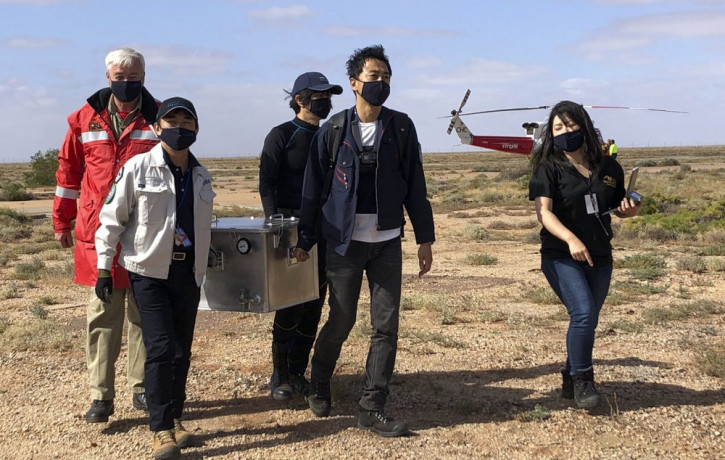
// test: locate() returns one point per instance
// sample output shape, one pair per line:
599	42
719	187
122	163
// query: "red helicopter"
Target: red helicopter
522	145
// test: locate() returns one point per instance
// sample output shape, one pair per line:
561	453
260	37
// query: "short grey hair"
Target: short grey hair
124	57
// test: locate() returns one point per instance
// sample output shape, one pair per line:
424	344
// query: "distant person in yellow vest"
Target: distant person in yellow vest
613	149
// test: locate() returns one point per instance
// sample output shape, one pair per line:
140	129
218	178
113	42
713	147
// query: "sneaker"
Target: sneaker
319	398
586	394
181	435
139	402
100	411
165	446
377	421
567	385
299	384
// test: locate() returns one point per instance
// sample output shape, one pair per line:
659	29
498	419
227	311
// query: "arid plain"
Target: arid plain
481	337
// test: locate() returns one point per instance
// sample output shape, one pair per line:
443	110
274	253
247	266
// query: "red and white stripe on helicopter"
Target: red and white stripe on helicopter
522	145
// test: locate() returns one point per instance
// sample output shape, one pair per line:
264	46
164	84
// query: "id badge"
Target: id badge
181	239
592	204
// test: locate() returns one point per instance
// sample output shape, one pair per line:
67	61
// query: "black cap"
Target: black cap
174	103
316	82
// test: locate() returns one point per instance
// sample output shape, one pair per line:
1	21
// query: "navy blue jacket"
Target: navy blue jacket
399	182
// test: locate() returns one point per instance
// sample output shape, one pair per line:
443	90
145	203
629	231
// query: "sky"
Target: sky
234	58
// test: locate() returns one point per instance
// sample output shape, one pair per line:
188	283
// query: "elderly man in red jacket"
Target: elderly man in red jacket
113	126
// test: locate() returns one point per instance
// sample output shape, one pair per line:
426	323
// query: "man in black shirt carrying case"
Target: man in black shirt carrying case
281	172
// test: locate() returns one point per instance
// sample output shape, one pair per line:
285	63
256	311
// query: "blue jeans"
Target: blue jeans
382	263
582	289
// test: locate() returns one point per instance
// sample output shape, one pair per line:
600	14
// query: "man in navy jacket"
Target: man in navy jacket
373	176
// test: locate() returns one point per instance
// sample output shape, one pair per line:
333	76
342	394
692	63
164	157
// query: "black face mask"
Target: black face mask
178	138
375	92
570	141
321	107
126	91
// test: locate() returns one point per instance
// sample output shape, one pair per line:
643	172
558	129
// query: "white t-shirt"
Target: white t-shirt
365	228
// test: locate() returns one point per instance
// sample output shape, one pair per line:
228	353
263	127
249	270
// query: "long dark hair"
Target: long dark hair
568	110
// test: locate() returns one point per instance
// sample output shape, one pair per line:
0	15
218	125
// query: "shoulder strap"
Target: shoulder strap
334	135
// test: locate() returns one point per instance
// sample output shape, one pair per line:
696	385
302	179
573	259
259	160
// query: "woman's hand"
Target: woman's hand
628	208
579	251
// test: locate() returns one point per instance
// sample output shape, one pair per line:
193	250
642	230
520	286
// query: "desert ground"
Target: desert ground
481	335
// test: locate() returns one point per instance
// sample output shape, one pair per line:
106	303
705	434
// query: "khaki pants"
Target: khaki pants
105	328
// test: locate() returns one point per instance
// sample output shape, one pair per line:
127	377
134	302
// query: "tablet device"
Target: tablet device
630	188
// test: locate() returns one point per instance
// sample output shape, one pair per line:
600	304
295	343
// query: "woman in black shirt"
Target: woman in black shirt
573	185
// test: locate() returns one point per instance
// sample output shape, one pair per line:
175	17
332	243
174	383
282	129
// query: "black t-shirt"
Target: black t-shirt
282	165
568	189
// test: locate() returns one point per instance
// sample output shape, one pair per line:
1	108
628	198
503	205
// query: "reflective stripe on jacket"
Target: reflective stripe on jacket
88	161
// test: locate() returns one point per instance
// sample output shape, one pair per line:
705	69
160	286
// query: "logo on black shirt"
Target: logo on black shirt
610	181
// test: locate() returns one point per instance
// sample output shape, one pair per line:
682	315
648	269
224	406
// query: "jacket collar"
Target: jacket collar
149	106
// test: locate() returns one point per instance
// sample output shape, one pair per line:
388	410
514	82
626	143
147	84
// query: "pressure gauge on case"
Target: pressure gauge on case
243	246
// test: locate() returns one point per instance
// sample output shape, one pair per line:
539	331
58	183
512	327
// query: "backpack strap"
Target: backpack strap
334	138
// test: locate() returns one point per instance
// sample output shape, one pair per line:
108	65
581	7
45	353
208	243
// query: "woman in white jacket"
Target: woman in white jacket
159	209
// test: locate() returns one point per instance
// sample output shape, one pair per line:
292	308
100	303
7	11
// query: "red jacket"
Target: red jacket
88	162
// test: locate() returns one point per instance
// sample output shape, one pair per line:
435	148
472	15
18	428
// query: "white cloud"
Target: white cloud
423	62
479	71
583	86
31	42
681	25
193	60
368	31
38	2
281	14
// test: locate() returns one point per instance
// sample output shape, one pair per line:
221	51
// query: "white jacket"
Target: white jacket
140	213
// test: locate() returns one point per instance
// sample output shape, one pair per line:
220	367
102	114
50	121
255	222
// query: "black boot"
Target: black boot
319	398
567	385
585	392
279	383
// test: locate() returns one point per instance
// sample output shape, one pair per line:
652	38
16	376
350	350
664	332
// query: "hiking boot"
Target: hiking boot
100	411
585	392
279	382
165	446
319	398
299	384
139	402
377	421
567	385
181	435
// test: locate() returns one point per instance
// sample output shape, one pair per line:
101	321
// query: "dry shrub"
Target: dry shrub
695	264
36	335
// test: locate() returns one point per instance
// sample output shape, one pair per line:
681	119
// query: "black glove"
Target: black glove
104	286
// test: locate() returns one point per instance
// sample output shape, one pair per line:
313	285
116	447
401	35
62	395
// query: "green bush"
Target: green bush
14	191
43	167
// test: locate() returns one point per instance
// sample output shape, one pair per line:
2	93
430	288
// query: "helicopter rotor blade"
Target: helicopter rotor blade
631	108
515	109
454	113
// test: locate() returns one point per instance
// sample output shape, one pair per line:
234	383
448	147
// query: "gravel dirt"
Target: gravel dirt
477	372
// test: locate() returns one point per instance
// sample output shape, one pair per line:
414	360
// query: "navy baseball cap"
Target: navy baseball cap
175	103
316	82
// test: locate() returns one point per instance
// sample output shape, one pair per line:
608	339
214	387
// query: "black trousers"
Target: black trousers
168	315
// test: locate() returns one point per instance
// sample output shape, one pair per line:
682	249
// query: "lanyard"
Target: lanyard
593	198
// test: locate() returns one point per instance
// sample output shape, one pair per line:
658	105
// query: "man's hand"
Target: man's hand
104	286
65	239
425	258
300	254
